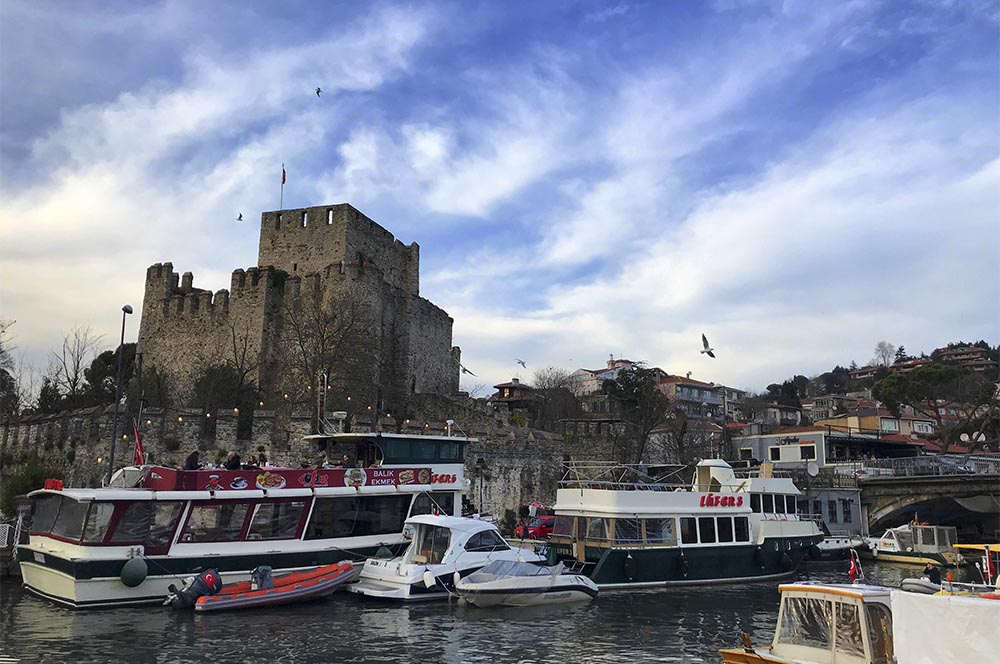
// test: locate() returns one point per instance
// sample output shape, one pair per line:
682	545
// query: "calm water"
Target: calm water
677	625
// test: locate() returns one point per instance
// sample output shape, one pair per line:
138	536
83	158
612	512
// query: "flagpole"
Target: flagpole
281	197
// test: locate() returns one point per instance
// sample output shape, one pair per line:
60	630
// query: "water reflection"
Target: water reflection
673	625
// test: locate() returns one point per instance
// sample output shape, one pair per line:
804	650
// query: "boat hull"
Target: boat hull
518	591
678	566
95	583
911	557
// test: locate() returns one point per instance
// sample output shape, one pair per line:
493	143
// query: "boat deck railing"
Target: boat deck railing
622	477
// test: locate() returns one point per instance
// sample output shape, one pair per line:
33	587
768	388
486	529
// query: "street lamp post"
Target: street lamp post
126	310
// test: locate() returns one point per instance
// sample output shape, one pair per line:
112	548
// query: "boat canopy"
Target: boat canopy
505	568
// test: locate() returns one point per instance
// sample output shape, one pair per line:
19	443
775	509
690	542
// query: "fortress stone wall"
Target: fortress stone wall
333	253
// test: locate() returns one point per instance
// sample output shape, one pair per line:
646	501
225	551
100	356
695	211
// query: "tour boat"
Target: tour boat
916	545
624	528
510	583
126	543
442	547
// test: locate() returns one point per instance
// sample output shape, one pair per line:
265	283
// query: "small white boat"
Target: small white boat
442	546
834	547
916	544
510	583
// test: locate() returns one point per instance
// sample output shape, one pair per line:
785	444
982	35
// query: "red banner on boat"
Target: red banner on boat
220	479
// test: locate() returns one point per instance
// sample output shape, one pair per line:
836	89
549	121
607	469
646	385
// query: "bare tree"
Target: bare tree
78	349
479	390
550	378
331	336
884	353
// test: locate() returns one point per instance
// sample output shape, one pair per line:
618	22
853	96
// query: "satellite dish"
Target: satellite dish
812	469
964	437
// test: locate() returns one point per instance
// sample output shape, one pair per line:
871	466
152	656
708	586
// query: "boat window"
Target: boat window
488	540
430	545
149	522
849	640
903	537
219	522
926	536
276	520
706	528
806	622
396	449
755	502
563	526
628	531
768	502
725	528
779	504
947	537
98	521
790	504
69	521
742	529
661	531
880	633
448	451
597	529
357	516
689	534
425	503
424	449
45	510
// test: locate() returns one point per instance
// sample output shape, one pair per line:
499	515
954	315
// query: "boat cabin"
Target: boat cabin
834	624
432	538
920	539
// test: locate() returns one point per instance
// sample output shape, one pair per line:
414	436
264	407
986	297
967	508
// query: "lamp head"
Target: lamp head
127	308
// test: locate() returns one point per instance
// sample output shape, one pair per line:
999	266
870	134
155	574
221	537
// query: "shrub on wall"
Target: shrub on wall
30	476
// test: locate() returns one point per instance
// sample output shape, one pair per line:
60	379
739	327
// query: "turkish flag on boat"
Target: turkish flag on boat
855	568
140	456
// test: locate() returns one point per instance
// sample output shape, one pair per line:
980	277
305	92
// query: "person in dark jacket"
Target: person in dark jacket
191	463
232	461
932	573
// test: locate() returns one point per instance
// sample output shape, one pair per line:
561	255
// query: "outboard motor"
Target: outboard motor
261	578
208	582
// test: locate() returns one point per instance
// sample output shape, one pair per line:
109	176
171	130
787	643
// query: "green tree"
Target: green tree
927	388
901	355
637	398
30	476
102	374
50	400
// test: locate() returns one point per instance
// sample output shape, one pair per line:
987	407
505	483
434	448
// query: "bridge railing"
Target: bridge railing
937	464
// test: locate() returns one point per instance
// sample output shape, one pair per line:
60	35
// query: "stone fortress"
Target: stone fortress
332	252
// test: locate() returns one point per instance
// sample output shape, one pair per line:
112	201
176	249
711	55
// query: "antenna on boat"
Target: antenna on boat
453	423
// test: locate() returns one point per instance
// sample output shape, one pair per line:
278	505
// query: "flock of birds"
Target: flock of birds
706	350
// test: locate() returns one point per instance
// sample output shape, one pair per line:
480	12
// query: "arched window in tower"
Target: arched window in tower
277	222
329	216
305	219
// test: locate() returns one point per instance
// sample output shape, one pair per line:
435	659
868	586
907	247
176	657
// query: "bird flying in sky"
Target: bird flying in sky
707	350
521	362
240	218
466	371
318	90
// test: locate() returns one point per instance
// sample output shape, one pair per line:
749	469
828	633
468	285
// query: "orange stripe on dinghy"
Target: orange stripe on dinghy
284	584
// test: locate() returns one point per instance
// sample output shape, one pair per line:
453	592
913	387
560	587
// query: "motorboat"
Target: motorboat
124	544
511	583
262	590
948	626
626	528
916	544
441	548
834	547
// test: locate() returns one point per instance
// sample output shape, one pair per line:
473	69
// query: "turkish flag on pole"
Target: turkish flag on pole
140	455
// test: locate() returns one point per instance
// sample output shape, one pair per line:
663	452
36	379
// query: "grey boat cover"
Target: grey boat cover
507	568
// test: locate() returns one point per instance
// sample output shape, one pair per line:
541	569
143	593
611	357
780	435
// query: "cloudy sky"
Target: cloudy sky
798	180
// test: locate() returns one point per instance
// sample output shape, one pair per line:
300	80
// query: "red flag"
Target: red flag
282	174
140	456
990	571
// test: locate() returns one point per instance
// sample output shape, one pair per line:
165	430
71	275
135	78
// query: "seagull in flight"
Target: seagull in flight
708	349
240	218
521	362
318	90
466	371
